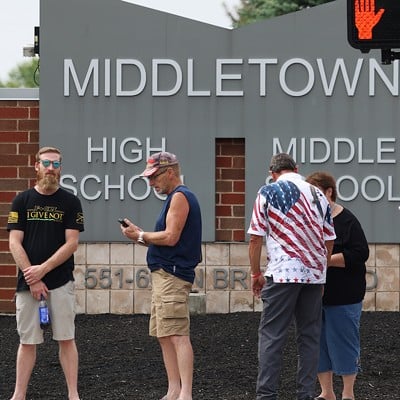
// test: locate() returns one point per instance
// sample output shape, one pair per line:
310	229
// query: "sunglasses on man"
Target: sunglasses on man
46	163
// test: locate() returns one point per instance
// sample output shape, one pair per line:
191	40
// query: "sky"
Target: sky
19	17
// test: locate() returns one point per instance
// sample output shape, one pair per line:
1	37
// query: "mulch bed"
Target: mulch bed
118	360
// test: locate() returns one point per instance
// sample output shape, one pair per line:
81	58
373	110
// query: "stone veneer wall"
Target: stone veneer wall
120	280
113	278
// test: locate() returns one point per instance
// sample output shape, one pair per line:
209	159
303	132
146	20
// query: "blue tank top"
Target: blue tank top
181	259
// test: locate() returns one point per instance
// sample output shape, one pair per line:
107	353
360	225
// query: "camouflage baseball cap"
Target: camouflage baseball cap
159	160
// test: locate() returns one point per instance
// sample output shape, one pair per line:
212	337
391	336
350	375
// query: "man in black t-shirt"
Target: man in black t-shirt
44	224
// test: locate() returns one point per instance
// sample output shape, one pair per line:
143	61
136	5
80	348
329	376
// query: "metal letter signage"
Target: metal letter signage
120	82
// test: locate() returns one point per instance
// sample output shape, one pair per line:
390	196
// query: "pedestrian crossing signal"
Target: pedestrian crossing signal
373	24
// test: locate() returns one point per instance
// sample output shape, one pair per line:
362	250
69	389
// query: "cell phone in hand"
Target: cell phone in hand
122	222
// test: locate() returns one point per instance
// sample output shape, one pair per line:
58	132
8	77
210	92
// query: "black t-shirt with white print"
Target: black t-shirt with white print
44	219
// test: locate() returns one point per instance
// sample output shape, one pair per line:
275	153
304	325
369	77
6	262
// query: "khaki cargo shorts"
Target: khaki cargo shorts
169	305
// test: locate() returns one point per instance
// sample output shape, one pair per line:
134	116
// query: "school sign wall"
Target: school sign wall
119	81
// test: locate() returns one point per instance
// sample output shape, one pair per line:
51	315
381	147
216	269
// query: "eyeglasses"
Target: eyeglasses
46	163
154	176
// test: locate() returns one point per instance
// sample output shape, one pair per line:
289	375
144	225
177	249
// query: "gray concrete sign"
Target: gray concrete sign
120	81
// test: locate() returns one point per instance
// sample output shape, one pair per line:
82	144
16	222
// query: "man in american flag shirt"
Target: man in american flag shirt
295	219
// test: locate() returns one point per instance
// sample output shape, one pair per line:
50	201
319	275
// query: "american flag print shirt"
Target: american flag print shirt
286	213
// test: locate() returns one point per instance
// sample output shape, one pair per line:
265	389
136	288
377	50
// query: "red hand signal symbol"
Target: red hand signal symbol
366	18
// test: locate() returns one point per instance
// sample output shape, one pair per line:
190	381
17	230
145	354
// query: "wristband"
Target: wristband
140	238
257	275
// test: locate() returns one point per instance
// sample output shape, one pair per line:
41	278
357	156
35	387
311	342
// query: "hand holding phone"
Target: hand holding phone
122	222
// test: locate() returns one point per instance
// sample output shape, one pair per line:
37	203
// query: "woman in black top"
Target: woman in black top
343	295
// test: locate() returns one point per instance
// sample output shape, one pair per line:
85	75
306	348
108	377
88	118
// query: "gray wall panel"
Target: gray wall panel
310	41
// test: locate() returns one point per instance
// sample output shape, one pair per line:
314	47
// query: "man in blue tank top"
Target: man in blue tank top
174	250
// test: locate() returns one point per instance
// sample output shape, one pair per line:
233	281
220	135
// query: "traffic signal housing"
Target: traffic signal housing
373	24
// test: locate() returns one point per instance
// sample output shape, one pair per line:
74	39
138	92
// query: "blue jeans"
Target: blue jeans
340	339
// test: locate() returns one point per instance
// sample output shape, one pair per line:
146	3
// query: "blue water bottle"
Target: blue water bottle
44	316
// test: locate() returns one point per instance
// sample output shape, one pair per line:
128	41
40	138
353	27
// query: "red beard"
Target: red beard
48	181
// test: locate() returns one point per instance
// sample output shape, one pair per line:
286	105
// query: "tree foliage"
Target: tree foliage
24	75
253	10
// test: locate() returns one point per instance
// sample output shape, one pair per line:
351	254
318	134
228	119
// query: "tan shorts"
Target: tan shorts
61	303
169	305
